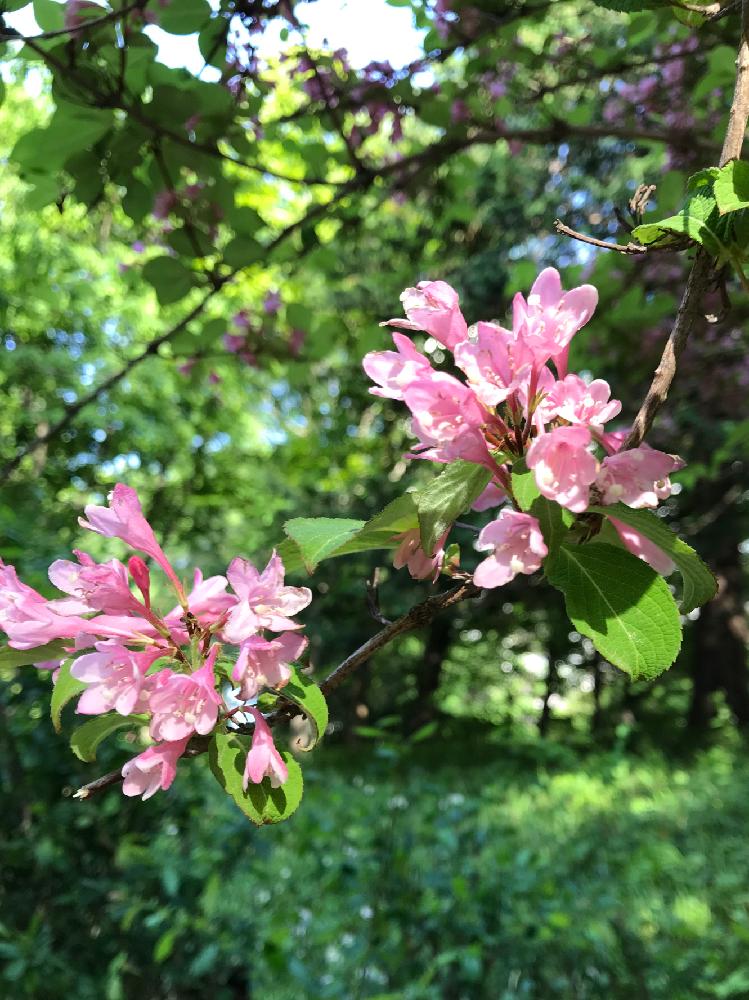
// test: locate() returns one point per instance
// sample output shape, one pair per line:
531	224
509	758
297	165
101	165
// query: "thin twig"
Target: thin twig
10	35
629	248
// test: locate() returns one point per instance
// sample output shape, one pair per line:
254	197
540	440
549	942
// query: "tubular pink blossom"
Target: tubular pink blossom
492	496
394	371
124	519
262	663
263	760
262	600
186	703
581	403
644	549
551	317
516	545
448	419
410	553
101	586
433	306
563	467
496	363
152	770
116	677
638	477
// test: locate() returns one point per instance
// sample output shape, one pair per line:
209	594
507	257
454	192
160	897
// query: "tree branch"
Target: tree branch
699	276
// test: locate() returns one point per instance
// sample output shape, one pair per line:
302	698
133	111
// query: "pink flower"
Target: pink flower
263	600
551	317
638	477
266	664
154	769
272	303
124	519
410	553
101	586
163	204
433	306
492	496
580	403
29	620
186	703
117	677
263	760
234	342
613	440
447	419
495	363
142	577
395	371
563	467
516	545
643	548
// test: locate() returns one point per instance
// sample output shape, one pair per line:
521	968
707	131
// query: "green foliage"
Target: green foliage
621	604
524	487
86	738
312	539
65	689
446	498
699	584
731	187
261	804
24	657
303	691
554	521
171	280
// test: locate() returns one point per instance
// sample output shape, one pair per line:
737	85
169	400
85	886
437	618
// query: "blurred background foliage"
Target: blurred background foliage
495	812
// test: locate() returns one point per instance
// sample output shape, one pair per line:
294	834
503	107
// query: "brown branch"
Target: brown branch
629	248
700	274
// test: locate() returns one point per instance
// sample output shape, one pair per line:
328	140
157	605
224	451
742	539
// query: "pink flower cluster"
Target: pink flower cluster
134	660
517	402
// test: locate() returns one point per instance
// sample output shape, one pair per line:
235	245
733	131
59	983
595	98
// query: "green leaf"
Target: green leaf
66	687
25	657
86	738
446	498
50	15
242	251
260	803
699	584
732	187
696	221
184	17
621	604
554	522
319	538
303	691
170	279
524	485
306	535
212	42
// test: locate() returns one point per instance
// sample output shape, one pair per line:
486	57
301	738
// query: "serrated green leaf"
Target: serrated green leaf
25	657
170	279
731	187
260	803
319	537
378	533
86	738
66	687
699	584
303	691
446	498
621	604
